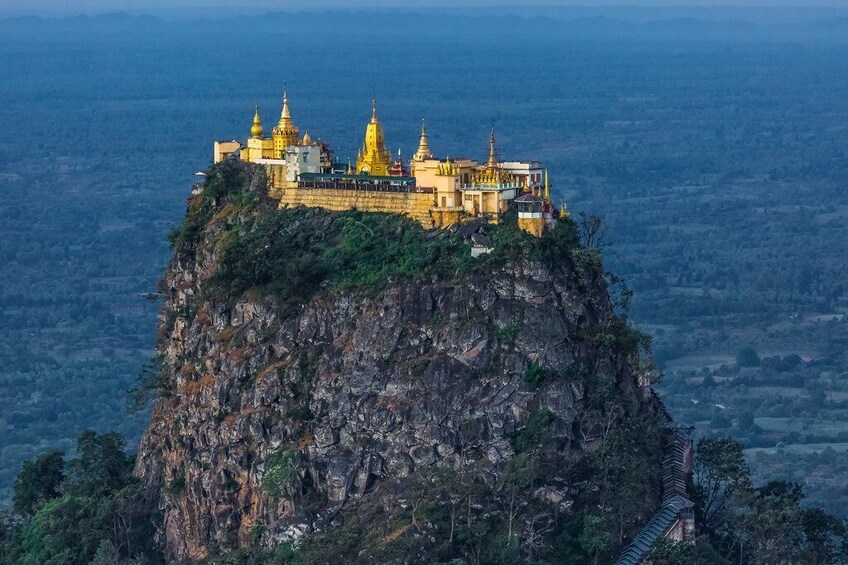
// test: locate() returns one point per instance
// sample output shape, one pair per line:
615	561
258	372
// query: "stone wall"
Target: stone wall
416	205
533	226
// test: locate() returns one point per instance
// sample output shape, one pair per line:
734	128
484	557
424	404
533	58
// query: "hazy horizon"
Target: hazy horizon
184	8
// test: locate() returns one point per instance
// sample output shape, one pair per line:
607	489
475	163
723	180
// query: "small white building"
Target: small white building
530	173
305	158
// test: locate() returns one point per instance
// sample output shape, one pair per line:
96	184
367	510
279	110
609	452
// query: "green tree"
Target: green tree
596	536
626	481
101	465
38	482
669	552
770	530
747	357
825	537
720	472
512	489
98	513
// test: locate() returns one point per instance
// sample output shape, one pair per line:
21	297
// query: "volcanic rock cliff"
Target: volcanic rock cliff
347	387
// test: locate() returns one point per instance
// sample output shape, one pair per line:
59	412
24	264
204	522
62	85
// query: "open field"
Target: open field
802	449
810	425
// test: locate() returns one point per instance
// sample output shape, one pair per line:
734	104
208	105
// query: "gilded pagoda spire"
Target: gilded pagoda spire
492	162
285	115
547	187
256	130
285	133
491	173
374	158
423	151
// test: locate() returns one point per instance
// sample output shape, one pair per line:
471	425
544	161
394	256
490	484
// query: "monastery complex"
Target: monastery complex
435	192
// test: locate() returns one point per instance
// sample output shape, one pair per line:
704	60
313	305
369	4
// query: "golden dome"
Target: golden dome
256	130
307	139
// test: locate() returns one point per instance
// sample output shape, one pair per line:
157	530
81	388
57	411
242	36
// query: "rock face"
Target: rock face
362	386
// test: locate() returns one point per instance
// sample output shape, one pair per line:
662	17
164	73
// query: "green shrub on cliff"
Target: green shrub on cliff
281	476
292	253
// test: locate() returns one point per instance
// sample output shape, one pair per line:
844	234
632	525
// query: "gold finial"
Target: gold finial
285	115
256	129
492	163
547	188
374	110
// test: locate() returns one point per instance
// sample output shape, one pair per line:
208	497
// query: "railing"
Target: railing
338	184
495	186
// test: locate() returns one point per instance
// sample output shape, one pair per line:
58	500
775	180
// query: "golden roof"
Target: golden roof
448	168
256	129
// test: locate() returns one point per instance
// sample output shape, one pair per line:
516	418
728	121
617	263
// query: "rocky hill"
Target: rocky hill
346	387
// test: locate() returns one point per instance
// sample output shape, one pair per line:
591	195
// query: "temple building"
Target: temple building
435	192
284	154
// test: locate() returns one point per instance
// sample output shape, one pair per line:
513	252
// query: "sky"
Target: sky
65	7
